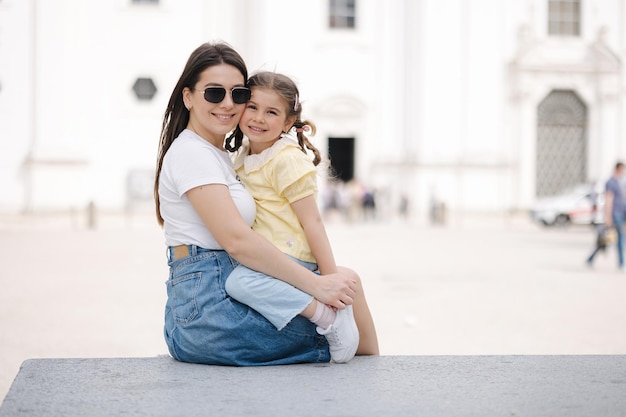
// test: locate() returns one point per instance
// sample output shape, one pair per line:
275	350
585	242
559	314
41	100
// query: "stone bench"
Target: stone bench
589	386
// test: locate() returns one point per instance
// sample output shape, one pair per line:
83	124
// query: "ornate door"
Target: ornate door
561	143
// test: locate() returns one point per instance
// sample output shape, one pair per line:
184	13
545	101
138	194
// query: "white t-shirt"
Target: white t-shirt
190	162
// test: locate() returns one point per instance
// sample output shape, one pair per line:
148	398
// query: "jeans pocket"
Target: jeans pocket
183	292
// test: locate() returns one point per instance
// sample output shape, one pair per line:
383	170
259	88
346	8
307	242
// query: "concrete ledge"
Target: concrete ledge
367	386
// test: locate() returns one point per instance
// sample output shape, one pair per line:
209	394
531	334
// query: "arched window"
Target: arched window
561	143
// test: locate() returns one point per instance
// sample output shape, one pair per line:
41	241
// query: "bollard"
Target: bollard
91	215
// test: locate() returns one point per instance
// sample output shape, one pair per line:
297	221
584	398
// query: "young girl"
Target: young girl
276	169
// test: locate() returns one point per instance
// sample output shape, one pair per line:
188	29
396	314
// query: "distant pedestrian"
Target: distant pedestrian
368	204
403	207
614	214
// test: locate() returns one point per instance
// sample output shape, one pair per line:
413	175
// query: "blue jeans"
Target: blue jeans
276	300
204	325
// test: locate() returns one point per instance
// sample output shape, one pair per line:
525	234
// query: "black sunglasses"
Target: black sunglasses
240	95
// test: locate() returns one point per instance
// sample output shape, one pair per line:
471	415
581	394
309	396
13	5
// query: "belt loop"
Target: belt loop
193	250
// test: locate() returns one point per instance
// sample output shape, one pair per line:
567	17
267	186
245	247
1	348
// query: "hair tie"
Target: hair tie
304	128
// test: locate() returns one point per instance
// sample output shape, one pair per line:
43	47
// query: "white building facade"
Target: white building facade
482	104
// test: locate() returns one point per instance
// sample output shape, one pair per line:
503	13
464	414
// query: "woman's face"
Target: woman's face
265	119
210	120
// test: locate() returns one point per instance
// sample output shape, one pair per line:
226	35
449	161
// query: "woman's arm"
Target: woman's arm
311	221
217	210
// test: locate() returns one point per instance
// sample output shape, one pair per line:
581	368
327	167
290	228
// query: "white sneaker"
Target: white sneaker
342	336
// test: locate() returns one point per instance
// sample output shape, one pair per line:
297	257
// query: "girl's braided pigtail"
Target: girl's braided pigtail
303	141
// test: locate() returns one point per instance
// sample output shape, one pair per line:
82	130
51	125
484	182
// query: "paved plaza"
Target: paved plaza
498	286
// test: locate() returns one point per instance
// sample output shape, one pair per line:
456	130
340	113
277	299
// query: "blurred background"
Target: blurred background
477	106
455	129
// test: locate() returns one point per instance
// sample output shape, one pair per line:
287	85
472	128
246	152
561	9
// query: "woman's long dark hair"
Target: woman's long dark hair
176	115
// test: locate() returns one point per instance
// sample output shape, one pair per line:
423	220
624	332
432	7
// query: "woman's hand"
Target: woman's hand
336	290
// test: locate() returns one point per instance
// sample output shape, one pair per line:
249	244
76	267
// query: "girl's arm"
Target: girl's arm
311	221
217	210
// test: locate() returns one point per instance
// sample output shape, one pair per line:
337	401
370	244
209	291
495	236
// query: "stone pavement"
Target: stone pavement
474	287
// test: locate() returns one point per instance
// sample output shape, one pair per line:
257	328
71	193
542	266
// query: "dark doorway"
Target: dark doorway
341	154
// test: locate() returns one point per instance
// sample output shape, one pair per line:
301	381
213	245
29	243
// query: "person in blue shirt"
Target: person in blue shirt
614	213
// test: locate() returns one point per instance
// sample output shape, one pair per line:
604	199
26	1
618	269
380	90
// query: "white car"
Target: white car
574	206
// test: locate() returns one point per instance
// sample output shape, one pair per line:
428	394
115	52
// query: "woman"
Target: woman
206	214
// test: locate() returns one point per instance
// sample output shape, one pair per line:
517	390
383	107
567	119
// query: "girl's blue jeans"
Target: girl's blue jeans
276	300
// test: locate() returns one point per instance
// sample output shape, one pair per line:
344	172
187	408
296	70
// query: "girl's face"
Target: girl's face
265	119
210	120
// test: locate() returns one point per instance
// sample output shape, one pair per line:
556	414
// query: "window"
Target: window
342	14
564	17
144	89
